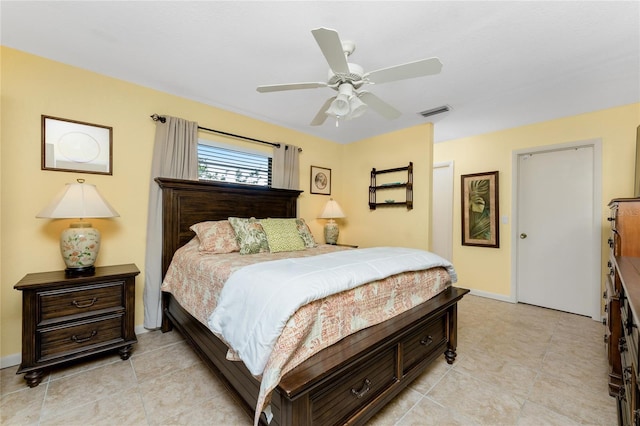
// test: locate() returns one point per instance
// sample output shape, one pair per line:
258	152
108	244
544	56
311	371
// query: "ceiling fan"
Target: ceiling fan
347	78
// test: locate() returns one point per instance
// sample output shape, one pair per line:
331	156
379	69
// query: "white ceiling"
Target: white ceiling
506	64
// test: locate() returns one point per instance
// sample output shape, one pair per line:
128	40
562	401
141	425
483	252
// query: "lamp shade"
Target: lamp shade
357	107
80	243
78	200
341	105
331	210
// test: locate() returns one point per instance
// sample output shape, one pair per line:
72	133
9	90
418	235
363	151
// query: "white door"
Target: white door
555	230
442	210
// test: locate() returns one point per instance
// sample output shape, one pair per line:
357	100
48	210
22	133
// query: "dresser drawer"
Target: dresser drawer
630	333
423	341
60	303
67	340
356	387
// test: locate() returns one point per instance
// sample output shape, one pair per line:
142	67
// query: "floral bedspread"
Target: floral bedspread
196	279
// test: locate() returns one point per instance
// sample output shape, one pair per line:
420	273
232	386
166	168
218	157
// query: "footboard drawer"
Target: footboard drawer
425	340
359	385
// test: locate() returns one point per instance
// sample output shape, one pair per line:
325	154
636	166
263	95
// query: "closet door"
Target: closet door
556	235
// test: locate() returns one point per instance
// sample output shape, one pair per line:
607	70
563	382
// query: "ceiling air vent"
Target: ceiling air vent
436	110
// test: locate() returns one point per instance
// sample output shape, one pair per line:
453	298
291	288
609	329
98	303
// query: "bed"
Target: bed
380	360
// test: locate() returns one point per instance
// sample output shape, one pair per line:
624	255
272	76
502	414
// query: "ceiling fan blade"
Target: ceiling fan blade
331	46
420	68
379	106
292	86
321	116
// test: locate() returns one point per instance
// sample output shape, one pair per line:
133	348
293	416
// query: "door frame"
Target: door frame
447	165
596	271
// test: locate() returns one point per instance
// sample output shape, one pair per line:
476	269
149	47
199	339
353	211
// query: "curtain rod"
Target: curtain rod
156	117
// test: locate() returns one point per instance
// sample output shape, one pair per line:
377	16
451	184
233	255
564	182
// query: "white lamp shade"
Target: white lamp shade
357	107
78	200
80	243
339	107
331	210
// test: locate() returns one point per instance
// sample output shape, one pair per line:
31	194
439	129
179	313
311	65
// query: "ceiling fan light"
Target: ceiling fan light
339	107
358	107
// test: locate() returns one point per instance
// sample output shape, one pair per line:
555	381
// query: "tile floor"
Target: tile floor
517	365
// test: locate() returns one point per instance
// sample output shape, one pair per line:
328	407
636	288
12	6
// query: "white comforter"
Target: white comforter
258	300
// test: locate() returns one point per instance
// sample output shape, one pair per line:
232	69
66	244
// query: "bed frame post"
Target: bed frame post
450	354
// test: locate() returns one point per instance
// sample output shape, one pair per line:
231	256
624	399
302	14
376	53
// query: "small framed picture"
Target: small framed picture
480	210
320	180
75	146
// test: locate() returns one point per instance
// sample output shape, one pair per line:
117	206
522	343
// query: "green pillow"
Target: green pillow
305	233
282	235
250	235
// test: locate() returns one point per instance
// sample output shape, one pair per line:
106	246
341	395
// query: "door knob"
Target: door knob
523	236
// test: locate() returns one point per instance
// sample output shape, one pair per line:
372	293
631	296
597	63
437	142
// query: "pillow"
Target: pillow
216	236
282	235
305	233
250	235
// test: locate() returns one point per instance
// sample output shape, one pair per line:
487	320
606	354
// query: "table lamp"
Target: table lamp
331	211
80	243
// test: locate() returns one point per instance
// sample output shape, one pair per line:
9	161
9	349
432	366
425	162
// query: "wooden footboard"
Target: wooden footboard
348	382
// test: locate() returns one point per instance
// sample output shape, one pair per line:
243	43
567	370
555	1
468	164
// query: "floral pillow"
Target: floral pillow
282	235
250	235
305	233
216	237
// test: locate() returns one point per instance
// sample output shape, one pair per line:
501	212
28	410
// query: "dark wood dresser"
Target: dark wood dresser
69	318
622	306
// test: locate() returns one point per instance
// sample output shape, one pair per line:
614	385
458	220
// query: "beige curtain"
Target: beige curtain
286	168
175	155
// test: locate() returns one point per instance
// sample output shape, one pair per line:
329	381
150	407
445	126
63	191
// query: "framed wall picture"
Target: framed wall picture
480	210
75	146
320	180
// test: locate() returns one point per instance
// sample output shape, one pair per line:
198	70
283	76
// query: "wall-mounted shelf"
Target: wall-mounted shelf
374	187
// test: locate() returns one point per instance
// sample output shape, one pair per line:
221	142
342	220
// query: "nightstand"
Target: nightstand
66	318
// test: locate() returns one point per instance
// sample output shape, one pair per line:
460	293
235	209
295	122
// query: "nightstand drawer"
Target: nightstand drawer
63	341
423	341
74	301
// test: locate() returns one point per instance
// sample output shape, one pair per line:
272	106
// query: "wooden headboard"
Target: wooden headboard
186	202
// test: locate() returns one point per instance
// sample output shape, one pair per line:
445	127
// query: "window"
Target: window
223	164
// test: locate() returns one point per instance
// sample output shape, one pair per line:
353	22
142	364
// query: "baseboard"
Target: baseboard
500	297
14	359
140	329
10	360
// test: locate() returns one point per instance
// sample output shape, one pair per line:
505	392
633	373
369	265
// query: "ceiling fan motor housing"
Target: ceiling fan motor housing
354	77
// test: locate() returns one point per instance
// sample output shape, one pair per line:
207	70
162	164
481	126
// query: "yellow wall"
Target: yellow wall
489	270
32	86
393	226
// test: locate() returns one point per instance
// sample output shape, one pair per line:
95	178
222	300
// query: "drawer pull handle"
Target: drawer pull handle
427	341
622	345
85	304
366	387
84	339
626	374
